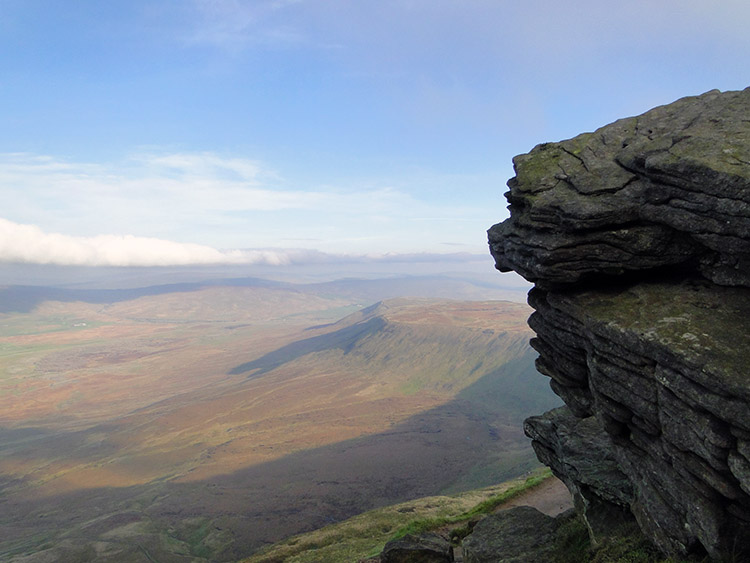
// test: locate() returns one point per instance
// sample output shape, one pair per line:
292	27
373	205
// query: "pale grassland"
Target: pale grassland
180	411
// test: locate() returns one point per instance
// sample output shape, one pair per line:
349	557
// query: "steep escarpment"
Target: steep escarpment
637	237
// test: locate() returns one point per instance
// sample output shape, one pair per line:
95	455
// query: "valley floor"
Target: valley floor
206	423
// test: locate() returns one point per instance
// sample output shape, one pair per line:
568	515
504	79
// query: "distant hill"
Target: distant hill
23	298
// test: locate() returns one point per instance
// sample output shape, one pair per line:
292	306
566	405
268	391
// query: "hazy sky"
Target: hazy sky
174	131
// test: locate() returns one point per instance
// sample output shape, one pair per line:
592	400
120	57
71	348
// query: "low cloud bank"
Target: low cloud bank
28	244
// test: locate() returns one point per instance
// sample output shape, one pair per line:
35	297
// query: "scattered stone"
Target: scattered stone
424	548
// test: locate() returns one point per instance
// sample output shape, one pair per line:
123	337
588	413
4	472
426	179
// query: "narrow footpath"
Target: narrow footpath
550	497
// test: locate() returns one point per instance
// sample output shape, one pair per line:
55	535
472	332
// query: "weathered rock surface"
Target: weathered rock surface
638	239
519	535
668	188
424	548
601	492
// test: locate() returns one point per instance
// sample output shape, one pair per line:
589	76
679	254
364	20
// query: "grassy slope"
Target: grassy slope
136	423
365	535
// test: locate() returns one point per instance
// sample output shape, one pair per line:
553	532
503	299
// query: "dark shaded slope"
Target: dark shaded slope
469	442
343	339
511	390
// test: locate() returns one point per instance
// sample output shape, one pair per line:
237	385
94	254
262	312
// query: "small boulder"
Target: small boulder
424	548
519	535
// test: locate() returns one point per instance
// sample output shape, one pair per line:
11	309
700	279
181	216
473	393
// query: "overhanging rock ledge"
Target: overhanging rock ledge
637	237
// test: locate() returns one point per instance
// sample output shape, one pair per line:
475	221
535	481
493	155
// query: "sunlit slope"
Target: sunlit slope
76	363
259	425
427	345
359	376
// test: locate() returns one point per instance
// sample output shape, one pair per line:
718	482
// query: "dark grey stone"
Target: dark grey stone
519	535
669	187
637	237
424	548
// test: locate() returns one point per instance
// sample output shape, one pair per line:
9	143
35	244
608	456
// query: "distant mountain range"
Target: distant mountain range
24	297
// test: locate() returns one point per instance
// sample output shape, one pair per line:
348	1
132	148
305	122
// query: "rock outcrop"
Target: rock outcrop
637	237
667	188
519	535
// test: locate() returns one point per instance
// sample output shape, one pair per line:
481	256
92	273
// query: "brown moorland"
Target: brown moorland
202	425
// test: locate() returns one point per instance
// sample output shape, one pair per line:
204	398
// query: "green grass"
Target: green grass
365	535
626	545
193	535
485	507
572	544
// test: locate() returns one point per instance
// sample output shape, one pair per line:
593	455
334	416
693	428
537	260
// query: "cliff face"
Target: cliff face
637	237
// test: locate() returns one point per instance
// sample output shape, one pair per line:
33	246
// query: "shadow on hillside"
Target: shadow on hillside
343	339
473	441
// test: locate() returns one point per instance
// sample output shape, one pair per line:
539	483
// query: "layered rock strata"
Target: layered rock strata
637	237
667	188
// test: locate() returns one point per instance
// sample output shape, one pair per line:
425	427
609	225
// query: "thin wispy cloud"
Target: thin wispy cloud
218	201
204	164
259	134
171	182
236	24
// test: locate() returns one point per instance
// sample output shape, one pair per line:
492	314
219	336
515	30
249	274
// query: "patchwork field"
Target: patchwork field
206	421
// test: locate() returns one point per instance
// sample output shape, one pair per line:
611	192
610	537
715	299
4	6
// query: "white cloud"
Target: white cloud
164	190
28	244
231	202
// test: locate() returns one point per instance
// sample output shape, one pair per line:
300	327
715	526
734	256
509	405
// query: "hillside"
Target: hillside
364	535
206	423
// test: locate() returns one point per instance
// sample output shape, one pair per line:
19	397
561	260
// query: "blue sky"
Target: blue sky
169	132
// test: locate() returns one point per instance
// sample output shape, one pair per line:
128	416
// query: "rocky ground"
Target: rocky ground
548	499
